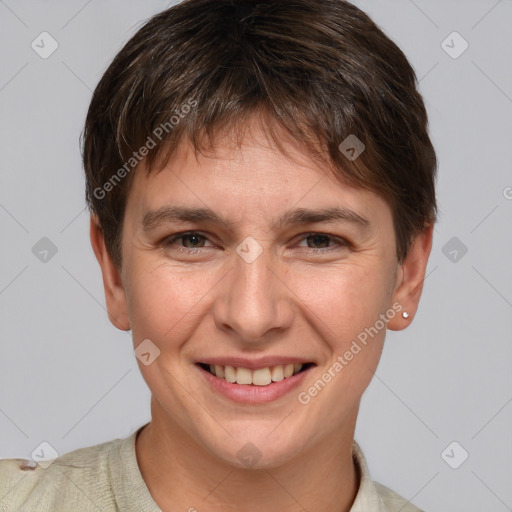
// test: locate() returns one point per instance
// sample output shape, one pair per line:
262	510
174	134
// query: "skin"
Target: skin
210	302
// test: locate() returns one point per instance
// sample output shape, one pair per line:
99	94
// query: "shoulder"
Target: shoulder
392	501
373	495
79	478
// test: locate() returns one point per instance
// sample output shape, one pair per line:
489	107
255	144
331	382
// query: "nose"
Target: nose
254	302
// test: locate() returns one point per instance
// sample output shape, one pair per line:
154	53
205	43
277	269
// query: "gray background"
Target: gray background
70	378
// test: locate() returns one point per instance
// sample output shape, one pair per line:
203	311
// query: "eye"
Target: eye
323	240
191	240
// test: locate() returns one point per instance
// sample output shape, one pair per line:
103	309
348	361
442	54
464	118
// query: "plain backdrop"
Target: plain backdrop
68	377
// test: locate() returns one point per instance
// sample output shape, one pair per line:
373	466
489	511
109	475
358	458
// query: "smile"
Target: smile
257	377
256	385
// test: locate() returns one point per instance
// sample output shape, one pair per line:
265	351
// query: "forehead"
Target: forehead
249	177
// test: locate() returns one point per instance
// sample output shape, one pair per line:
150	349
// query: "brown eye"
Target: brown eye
190	240
195	240
322	242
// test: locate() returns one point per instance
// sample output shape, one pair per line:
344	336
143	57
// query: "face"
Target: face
283	265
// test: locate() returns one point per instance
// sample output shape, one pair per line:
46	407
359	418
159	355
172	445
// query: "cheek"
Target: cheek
162	302
343	301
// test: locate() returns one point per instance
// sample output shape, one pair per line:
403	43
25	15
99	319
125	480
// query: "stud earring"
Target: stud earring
405	314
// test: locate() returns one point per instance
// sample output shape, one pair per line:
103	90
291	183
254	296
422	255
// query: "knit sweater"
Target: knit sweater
106	478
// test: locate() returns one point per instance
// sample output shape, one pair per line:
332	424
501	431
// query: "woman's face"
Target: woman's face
260	283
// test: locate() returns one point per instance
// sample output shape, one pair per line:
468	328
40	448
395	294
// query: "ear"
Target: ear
112	282
410	277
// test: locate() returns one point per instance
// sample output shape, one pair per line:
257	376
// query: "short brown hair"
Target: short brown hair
320	69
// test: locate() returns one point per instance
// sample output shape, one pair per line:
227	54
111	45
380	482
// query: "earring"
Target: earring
405	314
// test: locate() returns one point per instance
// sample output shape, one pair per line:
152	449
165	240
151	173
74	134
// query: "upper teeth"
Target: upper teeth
259	377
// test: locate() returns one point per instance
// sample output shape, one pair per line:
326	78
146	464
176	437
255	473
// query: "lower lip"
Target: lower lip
252	394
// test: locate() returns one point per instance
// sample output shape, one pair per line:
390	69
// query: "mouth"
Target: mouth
255	377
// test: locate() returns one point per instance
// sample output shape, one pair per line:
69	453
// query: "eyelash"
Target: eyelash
339	241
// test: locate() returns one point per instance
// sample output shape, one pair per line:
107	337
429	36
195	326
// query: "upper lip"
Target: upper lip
253	364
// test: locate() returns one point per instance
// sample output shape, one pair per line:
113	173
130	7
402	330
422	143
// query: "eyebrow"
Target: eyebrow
300	216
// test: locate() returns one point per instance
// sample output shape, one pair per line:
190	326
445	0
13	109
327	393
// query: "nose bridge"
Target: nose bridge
254	299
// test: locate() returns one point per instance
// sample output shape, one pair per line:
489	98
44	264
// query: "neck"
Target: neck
182	475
